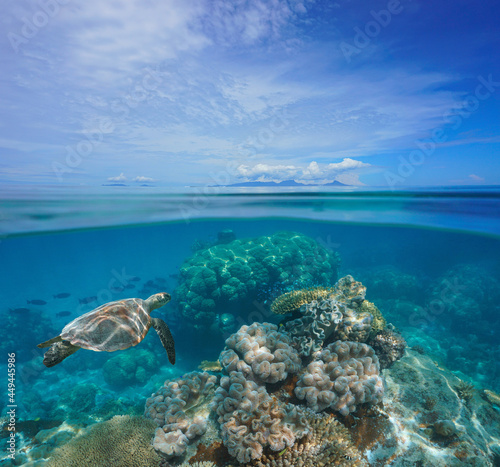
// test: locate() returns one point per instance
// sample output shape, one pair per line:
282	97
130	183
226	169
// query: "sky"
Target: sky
391	93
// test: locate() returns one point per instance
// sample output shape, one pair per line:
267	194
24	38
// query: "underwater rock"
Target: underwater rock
446	428
343	375
227	278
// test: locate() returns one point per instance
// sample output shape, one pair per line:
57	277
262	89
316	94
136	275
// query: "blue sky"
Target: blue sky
193	92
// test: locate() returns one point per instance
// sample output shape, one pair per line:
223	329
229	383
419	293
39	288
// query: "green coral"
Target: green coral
133	367
227	278
292	301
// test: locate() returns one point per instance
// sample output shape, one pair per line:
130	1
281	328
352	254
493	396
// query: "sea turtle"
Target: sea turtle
112	326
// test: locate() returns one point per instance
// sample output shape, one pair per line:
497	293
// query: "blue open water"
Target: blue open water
430	261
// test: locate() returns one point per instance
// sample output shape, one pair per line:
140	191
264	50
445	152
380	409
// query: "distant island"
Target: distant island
280	184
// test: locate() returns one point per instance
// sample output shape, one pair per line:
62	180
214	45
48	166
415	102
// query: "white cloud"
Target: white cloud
263	172
119	178
346	171
476	178
143	179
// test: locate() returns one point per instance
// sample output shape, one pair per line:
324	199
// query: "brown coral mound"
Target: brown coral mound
292	301
389	347
123	441
328	444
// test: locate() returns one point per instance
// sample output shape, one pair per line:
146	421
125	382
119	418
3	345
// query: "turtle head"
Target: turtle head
158	300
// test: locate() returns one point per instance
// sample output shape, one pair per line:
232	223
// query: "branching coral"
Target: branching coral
251	419
465	390
170	408
263	352
227	277
344	375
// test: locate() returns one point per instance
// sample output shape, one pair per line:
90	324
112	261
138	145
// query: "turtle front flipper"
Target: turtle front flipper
166	338
58	352
49	342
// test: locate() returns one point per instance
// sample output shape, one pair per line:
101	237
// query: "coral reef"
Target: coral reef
226	278
198	464
388	282
251	419
344	315
121	441
293	300
320	319
389	347
261	352
327	444
344	375
128	368
467	294
171	409
79	399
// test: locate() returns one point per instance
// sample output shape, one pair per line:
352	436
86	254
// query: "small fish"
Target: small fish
173	276
130	286
117	289
150	283
62	295
135	279
19	310
36	302
63	313
88	299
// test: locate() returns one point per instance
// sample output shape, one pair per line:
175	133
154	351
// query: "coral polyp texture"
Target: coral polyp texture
123	440
327	444
293	300
171	409
389	347
251	419
262	352
227	278
344	314
343	376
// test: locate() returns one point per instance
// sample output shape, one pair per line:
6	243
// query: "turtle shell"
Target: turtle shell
112	326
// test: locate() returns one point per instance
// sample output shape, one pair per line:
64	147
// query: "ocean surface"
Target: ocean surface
430	260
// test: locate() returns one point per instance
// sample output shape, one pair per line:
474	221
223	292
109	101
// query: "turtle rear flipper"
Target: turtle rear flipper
49	342
166	338
58	352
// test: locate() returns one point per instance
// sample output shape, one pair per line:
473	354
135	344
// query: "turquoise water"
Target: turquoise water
430	262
